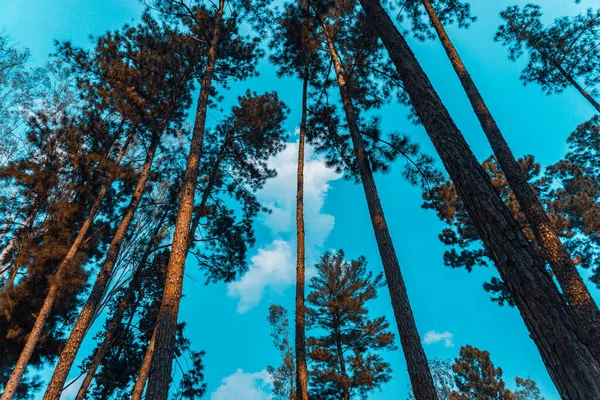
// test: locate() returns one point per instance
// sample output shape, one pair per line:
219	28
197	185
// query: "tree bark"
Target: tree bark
342	361
300	337
140	383
128	297
571	283
418	368
85	318
36	332
571	365
160	372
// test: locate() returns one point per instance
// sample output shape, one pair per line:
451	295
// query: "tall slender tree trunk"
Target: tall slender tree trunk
36	331
418	368
160	372
579	88
571	365
300	337
128	297
342	361
571	283
86	315
24	248
140	383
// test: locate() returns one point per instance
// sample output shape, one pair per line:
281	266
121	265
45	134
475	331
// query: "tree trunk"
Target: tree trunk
140	382
418	368
580	89
342	361
300	337
36	332
4	255
18	262
570	364
166	326
138	389
571	283
86	314
128	297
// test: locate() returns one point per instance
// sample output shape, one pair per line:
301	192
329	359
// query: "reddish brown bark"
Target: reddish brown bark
86	315
160	372
571	365
140	383
300	337
117	317
418	367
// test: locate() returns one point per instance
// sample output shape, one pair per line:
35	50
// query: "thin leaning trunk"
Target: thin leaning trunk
166	326
579	88
300	337
11	243
140	383
20	257
571	283
128	297
571	365
36	331
86	315
418	368
342	361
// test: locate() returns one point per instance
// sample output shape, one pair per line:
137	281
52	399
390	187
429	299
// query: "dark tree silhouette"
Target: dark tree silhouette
565	53
542	307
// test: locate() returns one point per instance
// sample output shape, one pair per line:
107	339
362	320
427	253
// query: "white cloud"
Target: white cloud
243	385
435	337
70	393
279	194
272	267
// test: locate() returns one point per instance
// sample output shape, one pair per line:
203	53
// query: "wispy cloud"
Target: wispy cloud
244	385
273	267
435	337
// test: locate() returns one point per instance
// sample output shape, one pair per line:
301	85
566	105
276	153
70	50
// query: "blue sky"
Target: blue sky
229	321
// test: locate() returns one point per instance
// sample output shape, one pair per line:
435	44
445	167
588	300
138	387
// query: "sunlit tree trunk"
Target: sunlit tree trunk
86	315
166	327
140	383
571	365
300	337
128	297
571	283
418	368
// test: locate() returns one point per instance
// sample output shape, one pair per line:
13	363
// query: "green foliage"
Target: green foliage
448	11
473	376
477	378
284	376
344	353
234	166
569	47
569	190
